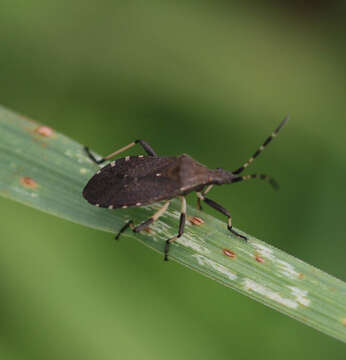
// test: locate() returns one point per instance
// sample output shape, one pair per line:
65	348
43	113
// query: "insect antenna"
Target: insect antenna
266	178
261	148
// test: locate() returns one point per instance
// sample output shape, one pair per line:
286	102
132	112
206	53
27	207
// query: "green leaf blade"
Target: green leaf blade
49	173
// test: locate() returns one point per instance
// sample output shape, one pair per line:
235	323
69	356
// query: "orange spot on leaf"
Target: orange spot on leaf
28	182
229	253
194	220
259	259
44	131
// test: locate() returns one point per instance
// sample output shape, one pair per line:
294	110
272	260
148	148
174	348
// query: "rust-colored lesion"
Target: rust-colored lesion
44	131
194	220
259	259
229	253
28	182
40	132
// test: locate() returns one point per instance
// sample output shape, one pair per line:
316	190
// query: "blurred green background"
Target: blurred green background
209	78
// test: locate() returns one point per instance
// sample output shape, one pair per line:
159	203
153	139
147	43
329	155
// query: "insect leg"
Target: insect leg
199	206
146	147
92	157
261	148
181	227
222	210
128	224
115	153
267	178
158	213
144	144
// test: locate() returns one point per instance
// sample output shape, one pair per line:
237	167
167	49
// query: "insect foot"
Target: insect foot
128	224
230	228
168	243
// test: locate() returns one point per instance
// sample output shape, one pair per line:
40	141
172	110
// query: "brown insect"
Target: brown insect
142	180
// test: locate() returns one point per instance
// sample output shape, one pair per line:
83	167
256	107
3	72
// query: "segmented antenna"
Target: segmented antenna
261	148
264	177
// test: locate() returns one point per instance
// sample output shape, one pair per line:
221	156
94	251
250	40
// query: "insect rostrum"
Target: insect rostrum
142	180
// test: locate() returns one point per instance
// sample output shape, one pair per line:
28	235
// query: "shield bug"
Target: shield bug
142	180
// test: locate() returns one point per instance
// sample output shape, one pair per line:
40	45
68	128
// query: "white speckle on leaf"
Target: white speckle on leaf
161	230
246	252
83	170
173	214
284	267
204	261
264	251
189	241
26	192
77	155
250	285
68	153
287	269
300	295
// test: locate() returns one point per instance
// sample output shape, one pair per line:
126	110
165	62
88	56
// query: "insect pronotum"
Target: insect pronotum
141	180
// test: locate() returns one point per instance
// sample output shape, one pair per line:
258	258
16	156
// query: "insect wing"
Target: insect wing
134	181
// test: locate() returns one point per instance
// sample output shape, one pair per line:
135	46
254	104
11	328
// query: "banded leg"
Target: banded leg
147	148
148	222
261	148
128	224
199	206
223	211
267	178
145	224
181	227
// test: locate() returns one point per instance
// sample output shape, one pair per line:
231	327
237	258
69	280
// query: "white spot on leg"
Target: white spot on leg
97	205
110	207
124	207
98	172
141	156
113	163
127	158
138	204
